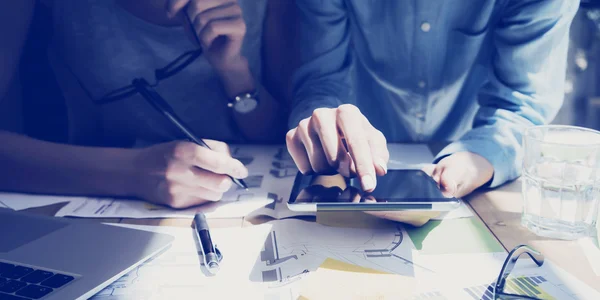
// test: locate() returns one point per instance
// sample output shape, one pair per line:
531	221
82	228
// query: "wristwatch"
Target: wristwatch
244	103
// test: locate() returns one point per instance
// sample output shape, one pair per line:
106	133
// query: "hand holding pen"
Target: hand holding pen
182	174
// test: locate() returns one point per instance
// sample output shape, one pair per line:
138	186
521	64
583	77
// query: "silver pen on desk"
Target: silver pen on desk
210	253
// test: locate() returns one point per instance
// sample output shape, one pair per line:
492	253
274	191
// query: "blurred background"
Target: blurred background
44	112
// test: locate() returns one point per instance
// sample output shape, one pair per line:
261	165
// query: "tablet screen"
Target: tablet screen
395	186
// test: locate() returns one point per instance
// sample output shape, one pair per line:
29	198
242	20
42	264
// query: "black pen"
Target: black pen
210	253
160	104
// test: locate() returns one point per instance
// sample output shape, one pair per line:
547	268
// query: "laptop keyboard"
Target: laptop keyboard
19	282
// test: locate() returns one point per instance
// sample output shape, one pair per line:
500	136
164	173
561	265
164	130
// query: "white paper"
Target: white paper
270	261
261	262
178	272
592	252
17	201
468	276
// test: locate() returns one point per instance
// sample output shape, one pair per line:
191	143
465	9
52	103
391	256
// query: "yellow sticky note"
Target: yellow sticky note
339	280
334	264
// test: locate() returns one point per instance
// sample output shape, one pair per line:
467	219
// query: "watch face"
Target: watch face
246	105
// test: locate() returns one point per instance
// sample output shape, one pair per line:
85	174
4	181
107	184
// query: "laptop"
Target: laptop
57	258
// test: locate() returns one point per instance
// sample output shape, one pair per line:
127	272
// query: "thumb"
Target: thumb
449	183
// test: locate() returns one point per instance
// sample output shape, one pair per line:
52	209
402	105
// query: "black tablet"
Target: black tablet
397	190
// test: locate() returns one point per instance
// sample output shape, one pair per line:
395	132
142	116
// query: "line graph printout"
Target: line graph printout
294	248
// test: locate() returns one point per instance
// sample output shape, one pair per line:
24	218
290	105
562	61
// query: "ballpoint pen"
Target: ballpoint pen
160	104
211	255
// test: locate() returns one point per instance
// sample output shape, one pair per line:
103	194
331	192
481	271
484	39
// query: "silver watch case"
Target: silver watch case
244	103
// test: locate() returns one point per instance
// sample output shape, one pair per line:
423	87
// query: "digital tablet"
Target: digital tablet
397	190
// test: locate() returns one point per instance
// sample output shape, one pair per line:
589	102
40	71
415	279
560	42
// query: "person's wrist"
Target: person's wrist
119	171
236	77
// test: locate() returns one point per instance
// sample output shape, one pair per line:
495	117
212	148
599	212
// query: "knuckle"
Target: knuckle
303	125
380	136
182	150
319	115
220	163
345	109
221	145
172	191
172	170
289	136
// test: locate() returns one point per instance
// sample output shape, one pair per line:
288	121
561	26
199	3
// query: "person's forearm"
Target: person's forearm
34	166
267	121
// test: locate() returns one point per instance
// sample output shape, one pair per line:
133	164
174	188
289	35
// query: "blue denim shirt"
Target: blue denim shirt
475	72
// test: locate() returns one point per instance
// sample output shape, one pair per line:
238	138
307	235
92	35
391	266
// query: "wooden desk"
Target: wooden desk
500	209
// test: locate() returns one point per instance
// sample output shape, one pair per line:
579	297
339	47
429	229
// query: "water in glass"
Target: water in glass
561	185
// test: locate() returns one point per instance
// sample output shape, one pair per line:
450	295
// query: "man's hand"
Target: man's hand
457	175
317	145
461	173
183	174
219	26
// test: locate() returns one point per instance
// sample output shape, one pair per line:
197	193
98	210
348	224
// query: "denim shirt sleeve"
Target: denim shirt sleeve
322	80
526	83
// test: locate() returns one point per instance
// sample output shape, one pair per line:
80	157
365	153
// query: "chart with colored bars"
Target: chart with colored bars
538	287
530	286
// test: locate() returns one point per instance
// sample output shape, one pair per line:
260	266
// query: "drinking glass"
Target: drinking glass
561	181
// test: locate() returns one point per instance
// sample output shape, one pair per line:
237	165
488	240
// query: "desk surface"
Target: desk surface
500	210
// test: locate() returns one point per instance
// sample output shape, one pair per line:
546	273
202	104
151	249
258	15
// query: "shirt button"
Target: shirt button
422	84
419	115
425	27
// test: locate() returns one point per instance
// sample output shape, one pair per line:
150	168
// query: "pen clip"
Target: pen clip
218	253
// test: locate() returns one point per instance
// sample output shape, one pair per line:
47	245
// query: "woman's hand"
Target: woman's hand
219	26
183	174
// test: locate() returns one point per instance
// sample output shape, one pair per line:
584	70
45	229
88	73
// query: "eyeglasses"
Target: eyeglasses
511	260
147	88
140	85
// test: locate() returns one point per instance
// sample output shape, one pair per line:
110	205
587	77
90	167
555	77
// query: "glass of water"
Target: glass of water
561	181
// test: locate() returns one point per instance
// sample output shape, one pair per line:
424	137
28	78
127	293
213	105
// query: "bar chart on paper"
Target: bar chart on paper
533	286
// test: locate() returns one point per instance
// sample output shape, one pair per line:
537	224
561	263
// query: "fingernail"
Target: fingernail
382	164
367	182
